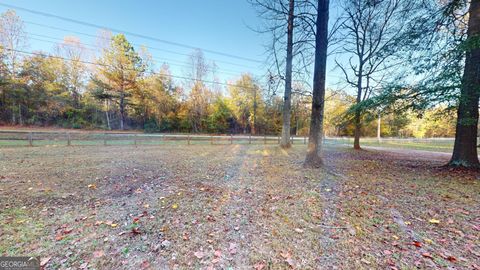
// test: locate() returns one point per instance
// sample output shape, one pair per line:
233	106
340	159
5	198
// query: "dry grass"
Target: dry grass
232	207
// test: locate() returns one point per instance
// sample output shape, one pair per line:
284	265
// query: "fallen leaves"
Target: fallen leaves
451	259
63	233
232	248
44	261
198	254
259	266
434	221
427	255
287	256
365	261
98	253
417	244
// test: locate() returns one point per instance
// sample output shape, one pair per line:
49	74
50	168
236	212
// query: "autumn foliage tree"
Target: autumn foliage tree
119	71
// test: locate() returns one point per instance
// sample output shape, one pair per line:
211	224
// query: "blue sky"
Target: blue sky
217	25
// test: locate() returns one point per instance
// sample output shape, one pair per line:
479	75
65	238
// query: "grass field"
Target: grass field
236	207
435	145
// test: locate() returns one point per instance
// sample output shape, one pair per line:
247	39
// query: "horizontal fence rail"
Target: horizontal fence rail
45	138
9	138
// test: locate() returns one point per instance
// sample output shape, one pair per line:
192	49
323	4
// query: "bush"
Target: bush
151	126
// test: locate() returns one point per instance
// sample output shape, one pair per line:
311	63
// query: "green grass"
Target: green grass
426	145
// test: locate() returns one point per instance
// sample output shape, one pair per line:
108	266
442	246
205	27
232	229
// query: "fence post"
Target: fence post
105	138
135	139
291	140
305	140
250	139
278	139
211	139
231	138
188	139
30	139
265	139
68	139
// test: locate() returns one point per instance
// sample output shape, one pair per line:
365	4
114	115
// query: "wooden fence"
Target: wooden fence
44	138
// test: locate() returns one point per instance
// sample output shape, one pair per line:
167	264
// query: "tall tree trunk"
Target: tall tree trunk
287	101
465	148
314	151
14	119
253	129
106	114
122	111
379	127
357	119
20	119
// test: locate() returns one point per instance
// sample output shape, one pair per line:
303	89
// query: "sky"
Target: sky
221	26
214	25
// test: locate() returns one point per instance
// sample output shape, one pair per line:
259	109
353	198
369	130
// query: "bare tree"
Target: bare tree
371	30
74	72
12	39
289	48
314	151
287	96
199	95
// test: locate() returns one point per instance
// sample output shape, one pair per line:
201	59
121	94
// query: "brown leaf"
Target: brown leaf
285	254
145	265
451	258
98	254
44	261
232	248
259	266
427	255
417	244
198	254
290	262
365	261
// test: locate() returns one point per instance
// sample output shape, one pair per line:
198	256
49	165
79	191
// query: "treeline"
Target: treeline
119	89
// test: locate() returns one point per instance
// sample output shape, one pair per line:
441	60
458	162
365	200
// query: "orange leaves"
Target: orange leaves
427	255
63	232
417	244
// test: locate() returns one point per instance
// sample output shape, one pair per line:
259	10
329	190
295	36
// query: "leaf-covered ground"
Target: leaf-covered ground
236	207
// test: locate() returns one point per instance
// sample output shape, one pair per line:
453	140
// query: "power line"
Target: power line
135	44
150	72
126	32
164	60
